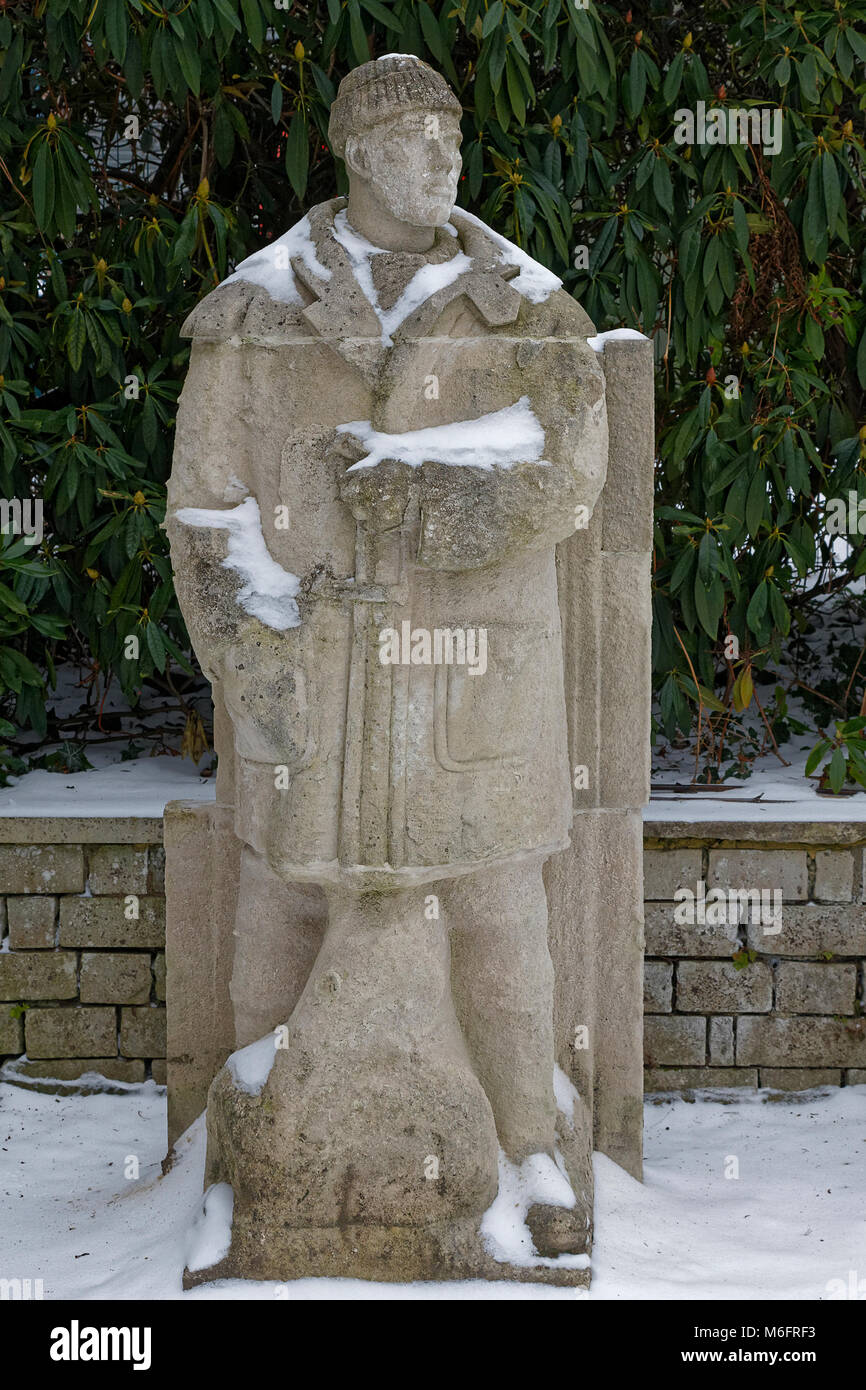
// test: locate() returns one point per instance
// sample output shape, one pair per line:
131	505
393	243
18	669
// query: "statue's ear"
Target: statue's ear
356	157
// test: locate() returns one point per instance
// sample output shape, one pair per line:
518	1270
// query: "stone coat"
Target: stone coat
416	771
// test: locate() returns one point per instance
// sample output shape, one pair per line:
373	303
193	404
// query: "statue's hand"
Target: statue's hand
377	496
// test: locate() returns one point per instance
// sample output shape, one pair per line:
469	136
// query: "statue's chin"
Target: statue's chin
428	214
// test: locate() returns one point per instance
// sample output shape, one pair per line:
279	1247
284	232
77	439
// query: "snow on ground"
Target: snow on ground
137	788
771	793
790	1224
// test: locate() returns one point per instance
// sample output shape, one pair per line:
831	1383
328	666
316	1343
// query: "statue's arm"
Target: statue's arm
472	517
207	474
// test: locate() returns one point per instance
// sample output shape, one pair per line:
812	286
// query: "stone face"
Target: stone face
394	846
799	1078
117	869
713	986
797	1042
834	876
810	930
665	937
666	870
721	1042
698	1078
32	922
675	1042
11	1031
42	868
111	922
142	1032
38	975
72	1032
109	978
815	989
785	870
657	987
159	975
156	869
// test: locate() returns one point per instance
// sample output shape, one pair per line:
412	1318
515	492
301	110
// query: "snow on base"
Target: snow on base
251	1066
268	591
498	440
93	1082
504	1231
211	1235
791	1226
615	335
271	267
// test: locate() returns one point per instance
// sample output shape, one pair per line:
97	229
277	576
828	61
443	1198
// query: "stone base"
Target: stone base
396	1254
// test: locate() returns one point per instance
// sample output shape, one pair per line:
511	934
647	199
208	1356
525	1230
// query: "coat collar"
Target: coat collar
342	314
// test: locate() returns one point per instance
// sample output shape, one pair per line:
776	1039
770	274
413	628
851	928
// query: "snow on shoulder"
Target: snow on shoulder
272	266
535	282
268	591
615	335
498	440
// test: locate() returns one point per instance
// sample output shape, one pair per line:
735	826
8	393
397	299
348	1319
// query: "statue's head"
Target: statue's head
396	123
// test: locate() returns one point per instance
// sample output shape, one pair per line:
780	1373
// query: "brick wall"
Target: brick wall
82	915
794	1015
82	969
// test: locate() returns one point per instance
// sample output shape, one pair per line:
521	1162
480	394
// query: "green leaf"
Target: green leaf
189	63
298	154
757	609
116	28
832	191
837	770
254	22
43	185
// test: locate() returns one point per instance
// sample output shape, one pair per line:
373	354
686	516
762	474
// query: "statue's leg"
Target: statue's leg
503	993
278	931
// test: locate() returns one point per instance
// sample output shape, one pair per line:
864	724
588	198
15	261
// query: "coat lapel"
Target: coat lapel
341	313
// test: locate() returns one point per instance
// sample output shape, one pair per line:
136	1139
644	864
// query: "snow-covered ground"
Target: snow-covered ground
112	788
790	1224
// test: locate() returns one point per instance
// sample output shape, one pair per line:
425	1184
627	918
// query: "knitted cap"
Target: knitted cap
381	89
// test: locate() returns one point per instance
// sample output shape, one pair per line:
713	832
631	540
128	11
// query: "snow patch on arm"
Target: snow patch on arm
268	591
615	335
504	1232
535	282
271	266
498	440
423	285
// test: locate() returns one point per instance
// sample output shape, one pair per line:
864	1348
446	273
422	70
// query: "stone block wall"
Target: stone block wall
752	996
82	963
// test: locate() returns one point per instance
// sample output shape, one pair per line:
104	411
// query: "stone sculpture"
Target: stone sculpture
388	544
